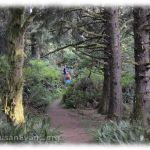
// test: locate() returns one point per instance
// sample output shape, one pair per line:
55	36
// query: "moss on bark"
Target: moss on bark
14	77
14	107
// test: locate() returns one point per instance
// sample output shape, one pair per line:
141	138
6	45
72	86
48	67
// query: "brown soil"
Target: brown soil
74	123
71	126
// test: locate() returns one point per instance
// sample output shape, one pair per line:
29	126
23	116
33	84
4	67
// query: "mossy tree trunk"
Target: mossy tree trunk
14	107
113	46
142	69
35	46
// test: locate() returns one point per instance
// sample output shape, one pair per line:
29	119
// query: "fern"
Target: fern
124	132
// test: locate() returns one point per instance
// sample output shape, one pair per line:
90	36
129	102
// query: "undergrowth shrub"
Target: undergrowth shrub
83	91
41	88
121	133
72	99
42	84
77	98
33	131
70	58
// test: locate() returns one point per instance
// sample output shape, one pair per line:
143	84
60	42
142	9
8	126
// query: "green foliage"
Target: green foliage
3	65
96	80
64	106
127	80
42	70
127	54
84	63
74	80
42	84
123	132
33	131
87	90
70	58
72	99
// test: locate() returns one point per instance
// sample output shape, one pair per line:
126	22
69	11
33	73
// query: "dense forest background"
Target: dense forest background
106	51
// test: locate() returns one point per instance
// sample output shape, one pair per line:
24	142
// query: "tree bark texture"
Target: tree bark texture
104	103
142	67
113	46
34	46
14	107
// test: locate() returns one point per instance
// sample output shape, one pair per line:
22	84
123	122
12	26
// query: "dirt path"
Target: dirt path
71	126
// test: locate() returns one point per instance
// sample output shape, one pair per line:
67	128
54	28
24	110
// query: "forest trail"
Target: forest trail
73	131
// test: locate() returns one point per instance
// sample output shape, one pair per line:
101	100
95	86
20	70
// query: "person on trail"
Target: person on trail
67	79
65	71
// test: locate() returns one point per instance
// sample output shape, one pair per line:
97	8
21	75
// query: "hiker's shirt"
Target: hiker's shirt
65	70
68	80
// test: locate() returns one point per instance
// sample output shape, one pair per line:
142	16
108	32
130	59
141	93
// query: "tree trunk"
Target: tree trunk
103	104
35	47
142	68
112	36
14	107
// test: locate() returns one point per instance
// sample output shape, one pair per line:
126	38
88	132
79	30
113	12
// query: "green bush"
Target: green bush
121	133
42	84
70	58
72	99
33	131
64	106
86	89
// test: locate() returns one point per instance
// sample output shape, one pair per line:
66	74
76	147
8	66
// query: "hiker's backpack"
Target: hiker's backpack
67	76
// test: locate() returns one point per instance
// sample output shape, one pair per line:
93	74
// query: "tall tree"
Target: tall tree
124	17
104	103
35	50
113	45
14	108
142	67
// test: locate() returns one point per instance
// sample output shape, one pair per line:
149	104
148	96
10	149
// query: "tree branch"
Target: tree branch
93	71
88	24
91	13
97	50
68	11
81	56
60	28
91	33
78	43
94	60
90	55
29	20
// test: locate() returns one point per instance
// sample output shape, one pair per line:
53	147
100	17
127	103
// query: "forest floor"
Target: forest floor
75	123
